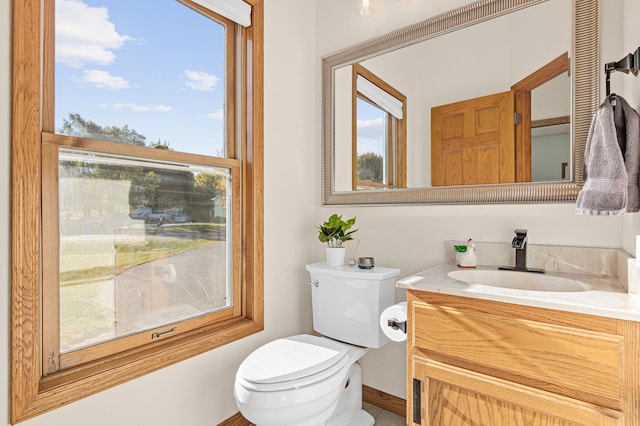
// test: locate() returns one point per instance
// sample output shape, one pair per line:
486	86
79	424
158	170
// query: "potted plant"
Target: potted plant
335	231
466	254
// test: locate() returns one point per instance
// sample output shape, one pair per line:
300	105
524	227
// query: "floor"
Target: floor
383	417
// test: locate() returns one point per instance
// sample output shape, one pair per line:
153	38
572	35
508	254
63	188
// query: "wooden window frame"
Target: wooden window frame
52	360
396	134
33	393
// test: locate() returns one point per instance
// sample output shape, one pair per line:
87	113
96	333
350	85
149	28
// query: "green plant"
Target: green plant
462	248
334	231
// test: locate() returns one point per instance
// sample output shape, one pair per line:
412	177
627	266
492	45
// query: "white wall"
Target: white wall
198	391
411	238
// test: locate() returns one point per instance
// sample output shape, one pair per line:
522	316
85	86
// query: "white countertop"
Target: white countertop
606	297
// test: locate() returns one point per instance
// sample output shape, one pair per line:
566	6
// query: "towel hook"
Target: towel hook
628	64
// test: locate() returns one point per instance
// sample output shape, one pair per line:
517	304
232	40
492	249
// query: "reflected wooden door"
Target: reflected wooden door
472	141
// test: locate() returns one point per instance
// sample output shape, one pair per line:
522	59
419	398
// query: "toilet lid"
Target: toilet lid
291	358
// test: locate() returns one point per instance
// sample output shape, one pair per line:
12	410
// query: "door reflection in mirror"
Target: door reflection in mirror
520	135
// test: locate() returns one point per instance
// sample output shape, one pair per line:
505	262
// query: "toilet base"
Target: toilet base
349	411
345	411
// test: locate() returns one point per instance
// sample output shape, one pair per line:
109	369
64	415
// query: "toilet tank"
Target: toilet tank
347	302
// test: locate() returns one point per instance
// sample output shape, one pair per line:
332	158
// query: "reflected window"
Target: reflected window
372	153
379	147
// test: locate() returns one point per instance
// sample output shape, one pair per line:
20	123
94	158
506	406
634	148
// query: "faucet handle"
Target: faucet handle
519	241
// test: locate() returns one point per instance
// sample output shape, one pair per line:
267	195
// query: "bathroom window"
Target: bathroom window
379	147
137	210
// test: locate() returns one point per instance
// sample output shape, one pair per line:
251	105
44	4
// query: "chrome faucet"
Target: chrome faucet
519	243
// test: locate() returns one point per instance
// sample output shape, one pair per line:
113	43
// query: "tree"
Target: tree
156	187
144	192
209	186
370	167
75	125
207	190
160	144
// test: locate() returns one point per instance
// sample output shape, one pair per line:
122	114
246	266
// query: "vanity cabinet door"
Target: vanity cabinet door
480	362
578	363
454	396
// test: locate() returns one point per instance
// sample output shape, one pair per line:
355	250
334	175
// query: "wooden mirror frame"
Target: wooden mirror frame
585	73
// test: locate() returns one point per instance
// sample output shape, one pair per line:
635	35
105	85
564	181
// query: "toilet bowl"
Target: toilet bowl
302	380
310	380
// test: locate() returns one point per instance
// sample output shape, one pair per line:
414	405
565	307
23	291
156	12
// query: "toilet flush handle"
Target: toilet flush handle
314	283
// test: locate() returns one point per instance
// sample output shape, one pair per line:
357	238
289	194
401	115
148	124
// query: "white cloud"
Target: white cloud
218	115
84	34
137	107
371	135
371	128
200	80
374	122
103	80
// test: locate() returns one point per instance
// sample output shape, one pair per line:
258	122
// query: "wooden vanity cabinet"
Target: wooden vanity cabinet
484	363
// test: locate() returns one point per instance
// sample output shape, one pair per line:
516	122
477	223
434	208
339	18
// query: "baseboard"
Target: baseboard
235	420
384	400
372	396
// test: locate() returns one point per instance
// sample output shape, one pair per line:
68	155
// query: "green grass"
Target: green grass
191	228
85	316
130	255
82	317
127	255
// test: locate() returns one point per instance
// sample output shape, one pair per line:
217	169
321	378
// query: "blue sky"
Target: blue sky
154	65
370	127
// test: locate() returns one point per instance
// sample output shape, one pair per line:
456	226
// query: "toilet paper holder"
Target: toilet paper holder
397	325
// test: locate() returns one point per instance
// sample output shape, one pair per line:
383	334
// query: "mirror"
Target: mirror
557	183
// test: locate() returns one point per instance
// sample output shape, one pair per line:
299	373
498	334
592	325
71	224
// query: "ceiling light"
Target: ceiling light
366	8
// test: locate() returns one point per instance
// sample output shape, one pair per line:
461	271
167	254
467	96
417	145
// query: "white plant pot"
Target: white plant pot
467	259
336	255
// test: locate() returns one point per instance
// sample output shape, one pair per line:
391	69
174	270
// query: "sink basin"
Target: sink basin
518	280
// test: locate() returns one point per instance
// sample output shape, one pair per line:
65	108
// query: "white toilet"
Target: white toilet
308	380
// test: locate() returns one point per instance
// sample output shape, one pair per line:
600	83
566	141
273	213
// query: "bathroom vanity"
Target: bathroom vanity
487	355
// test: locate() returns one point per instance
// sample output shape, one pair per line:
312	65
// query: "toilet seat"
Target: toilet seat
292	362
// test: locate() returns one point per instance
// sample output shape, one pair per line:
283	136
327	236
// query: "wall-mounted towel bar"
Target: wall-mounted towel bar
628	64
